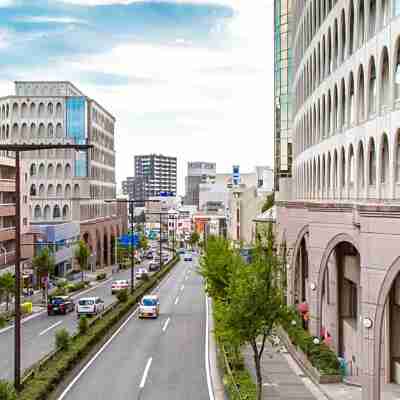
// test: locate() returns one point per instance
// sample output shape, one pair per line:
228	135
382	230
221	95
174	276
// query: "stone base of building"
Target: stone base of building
344	263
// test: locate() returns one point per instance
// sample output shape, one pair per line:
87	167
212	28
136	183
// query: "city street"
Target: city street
38	334
154	359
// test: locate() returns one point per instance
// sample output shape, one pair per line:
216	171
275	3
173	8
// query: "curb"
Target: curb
216	381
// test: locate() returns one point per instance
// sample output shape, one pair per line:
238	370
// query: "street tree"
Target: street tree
82	254
194	238
44	265
7	288
254	304
217	265
143	242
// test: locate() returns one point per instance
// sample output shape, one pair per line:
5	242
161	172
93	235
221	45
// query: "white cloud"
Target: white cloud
48	19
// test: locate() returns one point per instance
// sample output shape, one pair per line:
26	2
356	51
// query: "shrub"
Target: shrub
101	277
122	296
74	287
60	291
63	339
83	325
3	321
7	391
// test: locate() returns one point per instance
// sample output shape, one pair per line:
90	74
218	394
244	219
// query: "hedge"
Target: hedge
320	355
49	373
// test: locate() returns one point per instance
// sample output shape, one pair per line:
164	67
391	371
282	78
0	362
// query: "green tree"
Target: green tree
143	242
194	238
44	265
217	265
7	287
7	391
269	202
82	254
254	304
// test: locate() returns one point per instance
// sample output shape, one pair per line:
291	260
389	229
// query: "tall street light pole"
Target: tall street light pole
17	149
132	216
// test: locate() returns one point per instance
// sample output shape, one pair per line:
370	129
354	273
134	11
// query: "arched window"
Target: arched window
33	110
50	109
50	190
76	191
41	110
41	170
372	18
33	131
59	131
361	97
41	133
41	190
329	52
335	109
372	163
351	167
361	24
361	167
15	110
335	172
59	170
372	87
65	212
24	110
15	131
328	121
343	104
351	101
67	171
37	212
59	190
385	78
343	35
59	110
351	22
24	131
384	159
56	212
32	170
50	131
32	191
385	12
342	168
67	191
50	171
328	175
47	212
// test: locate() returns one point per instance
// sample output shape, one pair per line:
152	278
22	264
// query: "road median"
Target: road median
44	377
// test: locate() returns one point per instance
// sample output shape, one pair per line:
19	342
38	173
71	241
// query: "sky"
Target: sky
185	78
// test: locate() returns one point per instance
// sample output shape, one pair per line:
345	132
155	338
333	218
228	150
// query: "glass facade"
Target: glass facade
283	73
76	129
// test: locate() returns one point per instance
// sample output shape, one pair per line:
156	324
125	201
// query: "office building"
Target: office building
66	186
155	175
283	150
197	173
338	215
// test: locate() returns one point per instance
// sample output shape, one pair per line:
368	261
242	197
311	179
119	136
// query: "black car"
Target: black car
154	266
60	305
149	255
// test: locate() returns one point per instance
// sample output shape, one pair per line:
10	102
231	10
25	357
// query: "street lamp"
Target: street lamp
132	215
18	148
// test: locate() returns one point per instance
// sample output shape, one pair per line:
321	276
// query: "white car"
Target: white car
119	285
141	273
89	306
149	307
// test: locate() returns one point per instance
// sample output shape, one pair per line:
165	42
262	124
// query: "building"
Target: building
283	150
156	176
66	186
128	186
339	214
199	172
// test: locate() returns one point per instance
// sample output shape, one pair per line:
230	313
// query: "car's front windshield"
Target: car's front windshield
86	302
149	302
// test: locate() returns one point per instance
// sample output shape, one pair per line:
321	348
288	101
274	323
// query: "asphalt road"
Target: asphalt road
154	359
38	334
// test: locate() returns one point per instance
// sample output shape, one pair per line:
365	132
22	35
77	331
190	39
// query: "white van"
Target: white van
89	306
149	307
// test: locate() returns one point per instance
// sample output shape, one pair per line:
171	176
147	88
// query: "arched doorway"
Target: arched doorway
105	247
339	301
112	246
98	249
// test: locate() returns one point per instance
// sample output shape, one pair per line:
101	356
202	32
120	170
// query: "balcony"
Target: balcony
7	258
7	234
7	210
7	185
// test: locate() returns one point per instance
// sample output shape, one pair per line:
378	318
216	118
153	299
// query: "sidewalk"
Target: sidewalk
282	377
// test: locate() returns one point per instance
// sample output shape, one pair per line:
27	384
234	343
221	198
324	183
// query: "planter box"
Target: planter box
302	360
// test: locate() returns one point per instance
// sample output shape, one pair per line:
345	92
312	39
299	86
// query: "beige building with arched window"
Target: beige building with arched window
339	214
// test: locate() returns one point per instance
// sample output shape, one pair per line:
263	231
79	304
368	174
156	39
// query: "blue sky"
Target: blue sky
185	78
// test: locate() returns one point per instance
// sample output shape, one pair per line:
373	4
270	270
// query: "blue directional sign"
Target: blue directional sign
126	240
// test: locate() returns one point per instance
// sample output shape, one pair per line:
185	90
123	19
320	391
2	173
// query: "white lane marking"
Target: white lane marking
105	345
92	360
187	277
164	328
182	287
145	373
176	300
50	328
207	359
